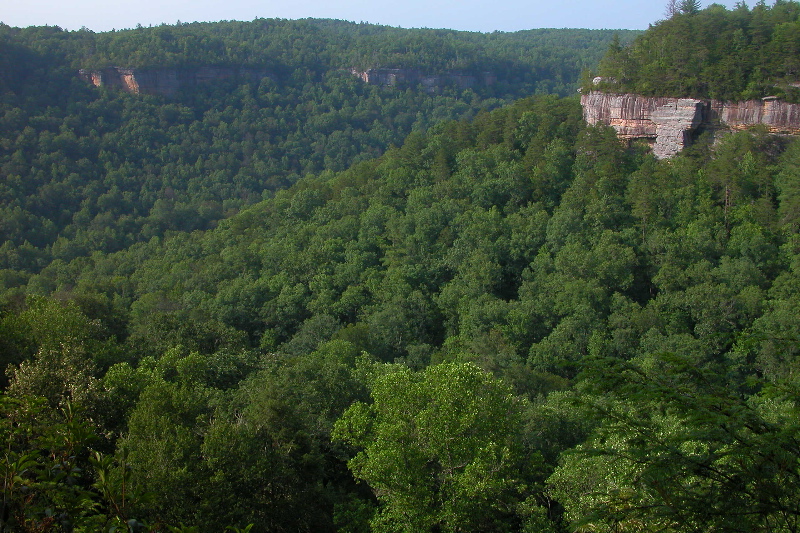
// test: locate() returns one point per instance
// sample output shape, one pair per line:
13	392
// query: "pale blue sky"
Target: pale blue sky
472	15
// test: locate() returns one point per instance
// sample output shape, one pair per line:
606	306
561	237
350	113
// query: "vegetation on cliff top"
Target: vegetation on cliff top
736	54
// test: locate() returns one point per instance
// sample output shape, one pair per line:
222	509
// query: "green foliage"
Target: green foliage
113	482
689	7
214	317
210	453
439	449
164	437
679	450
710	53
53	480
89	170
44	480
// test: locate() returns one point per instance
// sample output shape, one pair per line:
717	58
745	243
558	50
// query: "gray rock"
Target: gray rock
668	123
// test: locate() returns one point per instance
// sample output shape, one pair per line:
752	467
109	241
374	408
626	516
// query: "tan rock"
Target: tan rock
163	81
670	122
389	77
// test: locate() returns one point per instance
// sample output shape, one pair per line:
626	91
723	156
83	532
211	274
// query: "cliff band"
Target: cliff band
163	81
669	123
168	81
388	77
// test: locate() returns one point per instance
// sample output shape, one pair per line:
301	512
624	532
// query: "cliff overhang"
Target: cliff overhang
164	81
168	81
670	123
431	83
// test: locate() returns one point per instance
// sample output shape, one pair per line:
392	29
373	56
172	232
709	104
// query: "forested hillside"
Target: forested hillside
88	169
740	54
582	294
508	322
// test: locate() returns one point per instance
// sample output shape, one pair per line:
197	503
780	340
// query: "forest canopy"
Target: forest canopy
88	169
631	318
506	320
736	54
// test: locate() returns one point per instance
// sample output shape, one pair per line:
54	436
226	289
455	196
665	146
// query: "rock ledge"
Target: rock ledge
670	123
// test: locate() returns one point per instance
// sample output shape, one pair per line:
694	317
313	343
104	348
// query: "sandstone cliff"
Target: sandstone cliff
776	115
167	81
163	81
432	83
670	122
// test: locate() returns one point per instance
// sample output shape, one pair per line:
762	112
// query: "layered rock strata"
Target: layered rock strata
778	116
163	81
675	122
669	123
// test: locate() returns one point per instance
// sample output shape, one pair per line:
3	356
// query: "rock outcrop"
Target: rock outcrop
388	77
778	116
163	81
675	122
670	123
168	81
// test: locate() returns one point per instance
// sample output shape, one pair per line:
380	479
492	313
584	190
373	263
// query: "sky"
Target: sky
470	15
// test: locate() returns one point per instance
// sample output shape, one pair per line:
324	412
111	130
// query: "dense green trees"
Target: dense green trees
502	256
711	53
679	450
508	323
88	170
441	449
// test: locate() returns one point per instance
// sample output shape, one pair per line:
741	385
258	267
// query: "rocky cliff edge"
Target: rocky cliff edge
388	77
168	81
669	123
164	81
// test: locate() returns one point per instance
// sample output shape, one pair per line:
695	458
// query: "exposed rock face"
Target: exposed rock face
670	122
776	115
432	84
675	122
163	81
629	114
168	81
